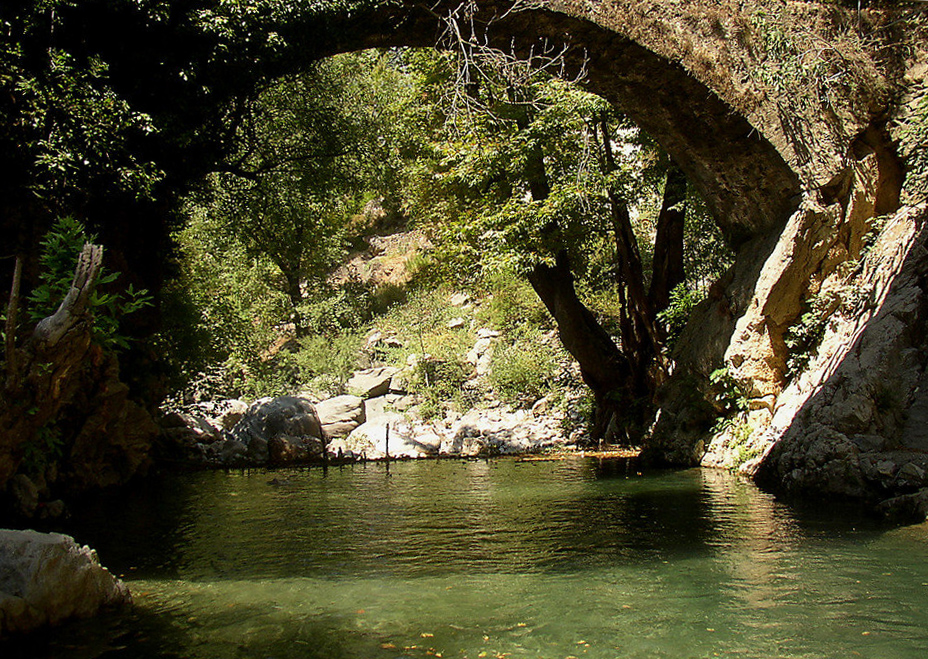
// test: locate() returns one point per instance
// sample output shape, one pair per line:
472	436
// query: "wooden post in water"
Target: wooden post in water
387	442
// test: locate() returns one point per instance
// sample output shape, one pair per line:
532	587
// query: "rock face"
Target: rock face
853	422
46	578
850	420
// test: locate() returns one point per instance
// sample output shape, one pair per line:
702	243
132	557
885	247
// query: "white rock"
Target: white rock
371	382
485	362
340	415
370	440
233	411
375	337
540	408
46	578
459	299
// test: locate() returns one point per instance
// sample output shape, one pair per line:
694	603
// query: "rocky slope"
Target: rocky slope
380	416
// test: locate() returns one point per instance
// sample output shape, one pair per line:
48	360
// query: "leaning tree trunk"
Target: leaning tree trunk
39	373
603	366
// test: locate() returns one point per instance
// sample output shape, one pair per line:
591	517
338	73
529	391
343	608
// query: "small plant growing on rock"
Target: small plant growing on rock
804	336
913	146
739	437
682	302
730	397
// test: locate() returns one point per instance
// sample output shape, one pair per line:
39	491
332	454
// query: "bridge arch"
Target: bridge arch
747	183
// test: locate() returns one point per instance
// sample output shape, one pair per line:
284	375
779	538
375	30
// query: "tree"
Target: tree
311	149
538	174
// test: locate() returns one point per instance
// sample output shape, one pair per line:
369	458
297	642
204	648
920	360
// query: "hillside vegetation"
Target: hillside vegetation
373	188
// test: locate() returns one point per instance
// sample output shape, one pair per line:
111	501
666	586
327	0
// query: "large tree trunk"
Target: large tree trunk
63	396
604	368
668	243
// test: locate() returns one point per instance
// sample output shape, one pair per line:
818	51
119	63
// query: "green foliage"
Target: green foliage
326	362
223	311
803	66
61	248
333	310
913	146
262	241
804	336
523	369
47	447
682	302
439	381
424	316
512	303
706	255
729	395
739	436
72	128
257	257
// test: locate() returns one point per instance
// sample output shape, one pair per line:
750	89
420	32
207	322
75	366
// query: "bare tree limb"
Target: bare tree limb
479	60
72	310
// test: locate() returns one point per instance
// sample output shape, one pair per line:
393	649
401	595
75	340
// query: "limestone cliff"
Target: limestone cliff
827	333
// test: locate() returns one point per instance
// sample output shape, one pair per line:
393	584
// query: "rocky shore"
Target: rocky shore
379	413
378	419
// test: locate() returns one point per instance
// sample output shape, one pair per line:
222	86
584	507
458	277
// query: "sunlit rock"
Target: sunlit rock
46	578
340	415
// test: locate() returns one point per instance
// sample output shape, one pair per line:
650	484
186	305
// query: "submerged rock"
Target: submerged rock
46	578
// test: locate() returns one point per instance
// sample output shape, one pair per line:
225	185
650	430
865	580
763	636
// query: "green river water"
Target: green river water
495	559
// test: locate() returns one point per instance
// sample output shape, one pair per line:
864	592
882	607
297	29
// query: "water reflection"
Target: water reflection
524	559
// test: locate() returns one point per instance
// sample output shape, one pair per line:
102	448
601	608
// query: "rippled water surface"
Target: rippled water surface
496	559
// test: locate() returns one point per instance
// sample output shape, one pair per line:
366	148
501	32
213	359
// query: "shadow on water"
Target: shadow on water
143	634
431	518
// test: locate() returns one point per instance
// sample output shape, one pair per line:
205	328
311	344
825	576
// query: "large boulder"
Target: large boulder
284	450
371	382
340	415
288	418
46	578
231	412
388	433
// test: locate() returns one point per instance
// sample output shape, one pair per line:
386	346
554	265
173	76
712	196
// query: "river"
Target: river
494	559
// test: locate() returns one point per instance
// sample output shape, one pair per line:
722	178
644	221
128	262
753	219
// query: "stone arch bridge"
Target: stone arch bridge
782	113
